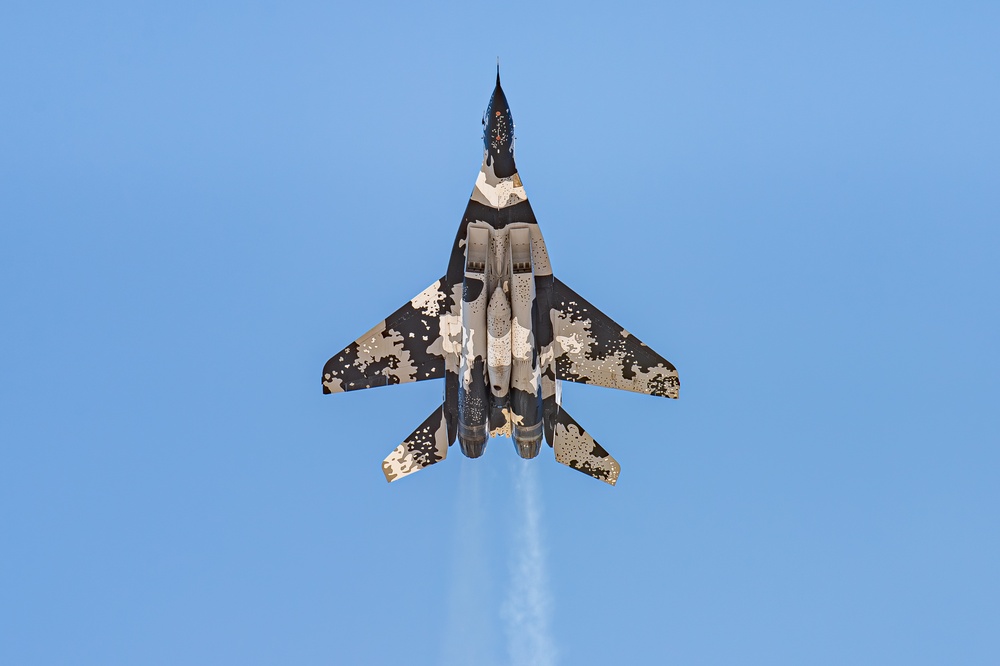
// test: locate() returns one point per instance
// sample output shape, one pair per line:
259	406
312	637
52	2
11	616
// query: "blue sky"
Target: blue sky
795	203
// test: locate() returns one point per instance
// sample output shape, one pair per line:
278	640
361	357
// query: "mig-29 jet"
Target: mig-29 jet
502	332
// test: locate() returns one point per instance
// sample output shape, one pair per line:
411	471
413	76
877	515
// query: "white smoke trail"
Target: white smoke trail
528	606
471	617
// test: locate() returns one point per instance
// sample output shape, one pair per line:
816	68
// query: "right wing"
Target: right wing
418	341
590	348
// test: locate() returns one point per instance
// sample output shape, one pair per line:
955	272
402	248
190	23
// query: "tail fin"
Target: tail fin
427	445
576	448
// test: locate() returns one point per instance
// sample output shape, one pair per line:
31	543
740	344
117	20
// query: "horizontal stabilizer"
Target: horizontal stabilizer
427	445
577	449
416	342
590	348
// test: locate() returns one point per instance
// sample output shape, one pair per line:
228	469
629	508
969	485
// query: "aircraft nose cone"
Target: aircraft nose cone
498	133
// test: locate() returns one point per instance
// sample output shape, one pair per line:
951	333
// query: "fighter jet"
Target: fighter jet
502	332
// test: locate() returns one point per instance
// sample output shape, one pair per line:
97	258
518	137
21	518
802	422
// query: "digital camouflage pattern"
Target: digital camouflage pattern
502	332
418	341
592	349
427	445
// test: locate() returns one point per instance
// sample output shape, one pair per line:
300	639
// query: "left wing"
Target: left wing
590	348
418	341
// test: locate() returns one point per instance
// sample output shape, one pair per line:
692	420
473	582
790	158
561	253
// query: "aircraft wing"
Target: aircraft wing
420	340
590	348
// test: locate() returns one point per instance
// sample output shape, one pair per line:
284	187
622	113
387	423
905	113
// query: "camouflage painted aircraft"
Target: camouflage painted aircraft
502	332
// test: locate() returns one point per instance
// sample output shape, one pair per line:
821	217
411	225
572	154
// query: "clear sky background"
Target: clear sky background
797	205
